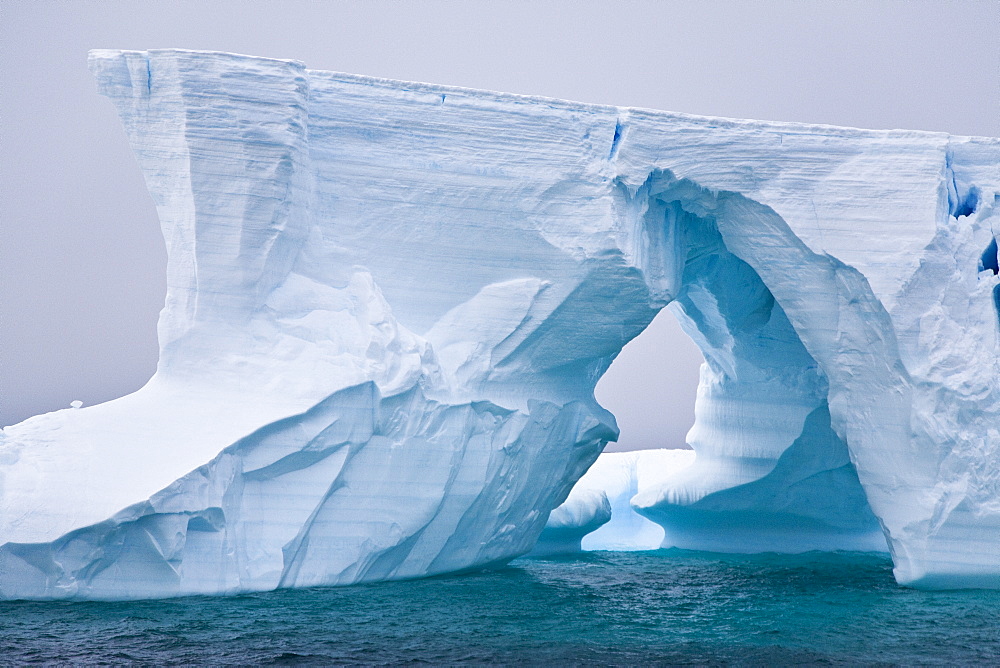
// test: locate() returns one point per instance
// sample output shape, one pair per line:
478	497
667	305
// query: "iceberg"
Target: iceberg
598	514
605	511
584	510
388	304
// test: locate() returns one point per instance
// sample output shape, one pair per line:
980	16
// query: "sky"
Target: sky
81	257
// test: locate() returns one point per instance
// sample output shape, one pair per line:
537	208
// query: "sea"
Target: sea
663	607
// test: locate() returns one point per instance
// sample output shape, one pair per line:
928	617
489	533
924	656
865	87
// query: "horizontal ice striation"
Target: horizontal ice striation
771	474
388	304
769	515
314	499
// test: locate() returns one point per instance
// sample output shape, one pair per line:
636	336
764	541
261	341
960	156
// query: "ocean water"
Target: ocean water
651	608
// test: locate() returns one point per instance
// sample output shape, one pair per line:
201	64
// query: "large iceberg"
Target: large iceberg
388	304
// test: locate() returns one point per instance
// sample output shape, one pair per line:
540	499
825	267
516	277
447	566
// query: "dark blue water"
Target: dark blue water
664	607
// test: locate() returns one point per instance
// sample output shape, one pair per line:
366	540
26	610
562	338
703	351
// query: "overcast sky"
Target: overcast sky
81	257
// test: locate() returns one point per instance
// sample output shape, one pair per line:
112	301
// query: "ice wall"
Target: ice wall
388	304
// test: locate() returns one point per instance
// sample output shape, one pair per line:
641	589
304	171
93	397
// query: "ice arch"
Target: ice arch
388	305
771	473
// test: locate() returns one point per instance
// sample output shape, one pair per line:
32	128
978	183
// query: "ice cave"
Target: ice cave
389	303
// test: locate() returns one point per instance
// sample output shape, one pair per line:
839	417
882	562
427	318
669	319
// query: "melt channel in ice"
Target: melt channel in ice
388	304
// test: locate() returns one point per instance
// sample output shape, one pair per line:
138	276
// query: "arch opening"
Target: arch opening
771	473
651	386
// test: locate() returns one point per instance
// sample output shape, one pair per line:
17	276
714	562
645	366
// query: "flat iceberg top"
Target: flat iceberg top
717	122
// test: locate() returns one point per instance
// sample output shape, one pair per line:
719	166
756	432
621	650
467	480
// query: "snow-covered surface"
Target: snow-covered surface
388	304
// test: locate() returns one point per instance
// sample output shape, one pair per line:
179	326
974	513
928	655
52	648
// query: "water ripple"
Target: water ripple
667	607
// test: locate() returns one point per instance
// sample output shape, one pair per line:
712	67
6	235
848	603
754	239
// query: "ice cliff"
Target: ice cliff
388	304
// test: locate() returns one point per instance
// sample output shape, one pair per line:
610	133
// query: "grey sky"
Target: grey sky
81	257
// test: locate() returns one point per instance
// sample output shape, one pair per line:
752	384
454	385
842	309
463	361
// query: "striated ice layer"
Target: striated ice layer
388	304
773	514
315	499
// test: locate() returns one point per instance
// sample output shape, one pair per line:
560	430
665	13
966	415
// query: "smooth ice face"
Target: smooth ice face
388	304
